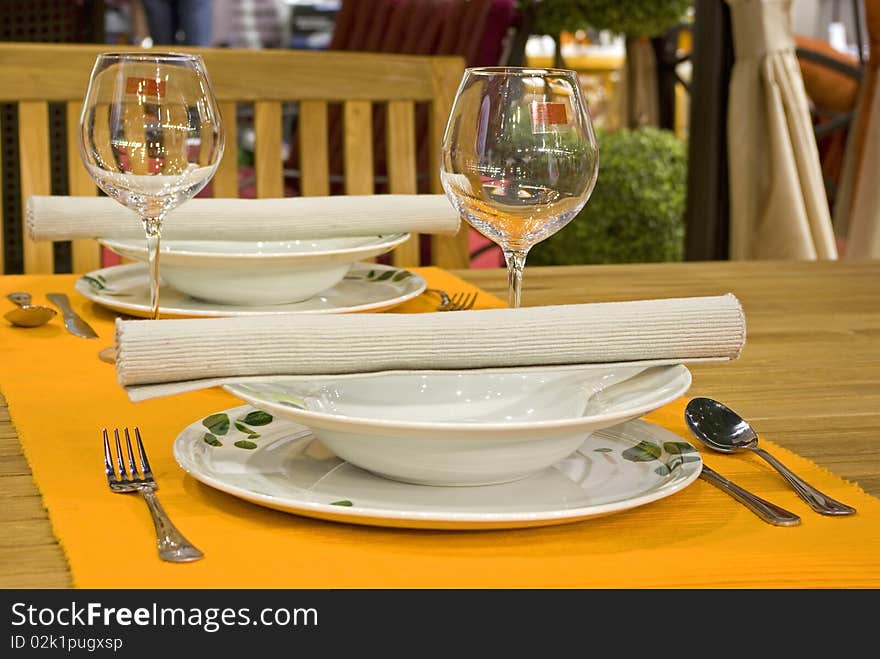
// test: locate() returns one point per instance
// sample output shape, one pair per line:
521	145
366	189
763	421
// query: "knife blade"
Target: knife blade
72	321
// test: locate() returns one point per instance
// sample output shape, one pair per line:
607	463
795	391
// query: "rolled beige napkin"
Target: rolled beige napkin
61	217
164	357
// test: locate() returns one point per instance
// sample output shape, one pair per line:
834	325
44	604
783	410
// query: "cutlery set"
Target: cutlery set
723	430
30	315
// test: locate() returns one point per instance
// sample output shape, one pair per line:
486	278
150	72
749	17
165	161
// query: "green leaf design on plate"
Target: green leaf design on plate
98	284
383	275
680	453
602	449
217	423
676	462
344	502
243	443
94	282
258	418
678	448
643	452
210	439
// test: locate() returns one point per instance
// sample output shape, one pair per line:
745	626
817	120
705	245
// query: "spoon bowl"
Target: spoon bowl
27	314
723	430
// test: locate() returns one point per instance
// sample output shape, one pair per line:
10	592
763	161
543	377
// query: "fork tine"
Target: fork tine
145	464
123	475
132	465
462	301
108	458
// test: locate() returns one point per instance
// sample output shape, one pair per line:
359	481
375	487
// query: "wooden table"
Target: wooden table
809	377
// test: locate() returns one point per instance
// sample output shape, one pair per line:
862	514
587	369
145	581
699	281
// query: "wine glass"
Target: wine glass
519	157
150	136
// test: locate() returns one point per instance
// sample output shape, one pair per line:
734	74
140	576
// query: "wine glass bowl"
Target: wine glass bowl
519	157
151	136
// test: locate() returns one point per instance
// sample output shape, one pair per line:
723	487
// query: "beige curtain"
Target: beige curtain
857	213
778	207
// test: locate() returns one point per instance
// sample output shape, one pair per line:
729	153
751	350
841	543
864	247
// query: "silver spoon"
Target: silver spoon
722	429
27	314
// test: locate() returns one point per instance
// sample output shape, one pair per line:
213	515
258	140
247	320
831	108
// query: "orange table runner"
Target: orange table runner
60	396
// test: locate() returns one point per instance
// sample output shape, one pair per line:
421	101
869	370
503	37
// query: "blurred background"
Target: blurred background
661	196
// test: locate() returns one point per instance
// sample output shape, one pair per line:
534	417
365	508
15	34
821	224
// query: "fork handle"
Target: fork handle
172	545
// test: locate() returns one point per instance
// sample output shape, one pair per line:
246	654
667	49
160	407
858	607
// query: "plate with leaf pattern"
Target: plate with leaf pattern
366	287
279	464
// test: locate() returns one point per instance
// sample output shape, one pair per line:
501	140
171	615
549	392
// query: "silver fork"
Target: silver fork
172	545
444	296
459	302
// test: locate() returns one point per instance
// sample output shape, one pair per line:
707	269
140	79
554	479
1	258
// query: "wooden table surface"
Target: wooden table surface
809	377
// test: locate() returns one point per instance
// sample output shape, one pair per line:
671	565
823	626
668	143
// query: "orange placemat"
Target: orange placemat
60	396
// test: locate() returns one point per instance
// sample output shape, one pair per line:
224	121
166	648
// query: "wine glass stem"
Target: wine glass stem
153	227
516	263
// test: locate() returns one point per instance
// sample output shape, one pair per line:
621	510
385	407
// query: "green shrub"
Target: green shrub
636	211
630	17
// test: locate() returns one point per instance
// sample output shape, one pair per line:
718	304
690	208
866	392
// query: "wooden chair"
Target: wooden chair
423	27
48	79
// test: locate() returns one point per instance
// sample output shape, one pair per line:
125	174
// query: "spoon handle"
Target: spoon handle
21	299
818	501
767	511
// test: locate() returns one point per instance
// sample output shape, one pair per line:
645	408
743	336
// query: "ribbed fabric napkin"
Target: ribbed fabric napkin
66	218
164	357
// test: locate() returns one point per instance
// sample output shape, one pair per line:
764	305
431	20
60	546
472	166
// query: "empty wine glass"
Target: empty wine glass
519	157
150	136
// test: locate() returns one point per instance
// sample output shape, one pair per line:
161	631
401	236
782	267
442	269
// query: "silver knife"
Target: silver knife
73	323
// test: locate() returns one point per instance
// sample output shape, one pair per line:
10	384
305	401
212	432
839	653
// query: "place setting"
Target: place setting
265	268
436	420
275	285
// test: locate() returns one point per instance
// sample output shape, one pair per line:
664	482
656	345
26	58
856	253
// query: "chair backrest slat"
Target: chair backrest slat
358	147
86	253
400	127
357	93
446	251
267	149
225	181
314	153
33	139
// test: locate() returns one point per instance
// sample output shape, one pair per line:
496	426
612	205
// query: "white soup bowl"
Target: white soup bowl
464	427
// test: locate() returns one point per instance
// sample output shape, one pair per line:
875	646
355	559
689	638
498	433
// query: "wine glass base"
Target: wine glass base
108	355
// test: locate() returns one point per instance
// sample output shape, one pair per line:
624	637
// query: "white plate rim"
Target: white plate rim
382	243
683	373
416	283
388	517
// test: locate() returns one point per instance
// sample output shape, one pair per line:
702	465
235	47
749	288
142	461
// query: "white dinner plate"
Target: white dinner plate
367	287
279	464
